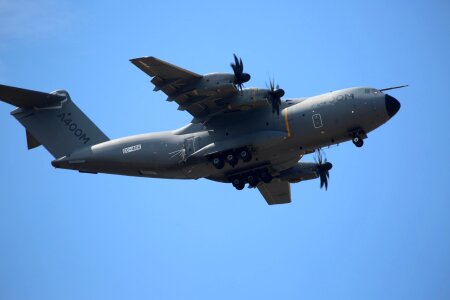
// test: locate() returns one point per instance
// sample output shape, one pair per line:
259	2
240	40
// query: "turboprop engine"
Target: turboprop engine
307	171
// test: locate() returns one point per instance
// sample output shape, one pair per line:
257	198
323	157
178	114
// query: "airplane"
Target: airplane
243	136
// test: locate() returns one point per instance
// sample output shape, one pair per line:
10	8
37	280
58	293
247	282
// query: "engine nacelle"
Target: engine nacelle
300	172
219	84
222	87
214	81
248	99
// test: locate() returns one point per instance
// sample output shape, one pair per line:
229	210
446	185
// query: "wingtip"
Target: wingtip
141	58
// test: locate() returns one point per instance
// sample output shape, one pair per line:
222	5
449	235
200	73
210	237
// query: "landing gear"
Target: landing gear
358	141
357	137
218	162
245	154
238	183
231	158
252	180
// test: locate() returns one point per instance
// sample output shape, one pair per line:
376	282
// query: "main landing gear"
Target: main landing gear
231	157
218	162
238	183
252	178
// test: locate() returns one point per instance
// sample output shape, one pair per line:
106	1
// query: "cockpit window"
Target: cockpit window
372	91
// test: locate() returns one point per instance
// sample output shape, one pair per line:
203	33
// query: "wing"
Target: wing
166	77
198	95
276	192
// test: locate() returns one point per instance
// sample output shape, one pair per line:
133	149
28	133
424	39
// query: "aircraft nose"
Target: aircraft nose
392	105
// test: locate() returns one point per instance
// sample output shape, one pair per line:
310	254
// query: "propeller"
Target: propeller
322	169
275	94
239	76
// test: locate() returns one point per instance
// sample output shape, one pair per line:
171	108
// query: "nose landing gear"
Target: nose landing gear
358	141
357	137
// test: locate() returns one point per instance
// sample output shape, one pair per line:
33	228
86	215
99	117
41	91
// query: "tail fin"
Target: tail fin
52	120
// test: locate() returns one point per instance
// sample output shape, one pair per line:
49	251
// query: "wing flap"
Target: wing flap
276	192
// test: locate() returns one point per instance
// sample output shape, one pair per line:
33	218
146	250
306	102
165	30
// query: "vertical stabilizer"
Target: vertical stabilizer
52	120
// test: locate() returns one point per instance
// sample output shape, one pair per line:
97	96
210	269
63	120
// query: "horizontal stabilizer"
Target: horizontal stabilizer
27	98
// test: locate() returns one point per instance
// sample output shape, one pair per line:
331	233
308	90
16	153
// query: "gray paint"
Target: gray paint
235	120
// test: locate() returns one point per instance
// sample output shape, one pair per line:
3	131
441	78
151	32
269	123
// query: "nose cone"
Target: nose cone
392	105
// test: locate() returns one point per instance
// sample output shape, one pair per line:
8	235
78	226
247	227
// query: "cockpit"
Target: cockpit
372	91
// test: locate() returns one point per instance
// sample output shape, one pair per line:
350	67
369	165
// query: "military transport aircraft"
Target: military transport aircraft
242	136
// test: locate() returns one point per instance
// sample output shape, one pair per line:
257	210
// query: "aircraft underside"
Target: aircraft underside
243	136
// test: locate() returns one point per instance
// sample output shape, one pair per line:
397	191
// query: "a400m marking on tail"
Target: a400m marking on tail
72	126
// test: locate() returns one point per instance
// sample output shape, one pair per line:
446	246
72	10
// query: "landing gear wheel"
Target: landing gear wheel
238	183
265	177
245	155
218	162
231	158
252	180
357	141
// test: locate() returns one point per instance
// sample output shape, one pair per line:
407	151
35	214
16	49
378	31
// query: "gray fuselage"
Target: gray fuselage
277	141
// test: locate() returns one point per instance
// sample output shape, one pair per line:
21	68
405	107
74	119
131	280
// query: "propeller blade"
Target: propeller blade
236	60
274	96
323	167
239	76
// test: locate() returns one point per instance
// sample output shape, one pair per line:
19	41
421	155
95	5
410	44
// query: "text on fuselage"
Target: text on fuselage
131	149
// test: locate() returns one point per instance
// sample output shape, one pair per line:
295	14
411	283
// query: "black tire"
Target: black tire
231	158
358	141
238	183
245	155
252	180
218	162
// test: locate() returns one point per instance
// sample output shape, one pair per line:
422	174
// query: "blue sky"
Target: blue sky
381	231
